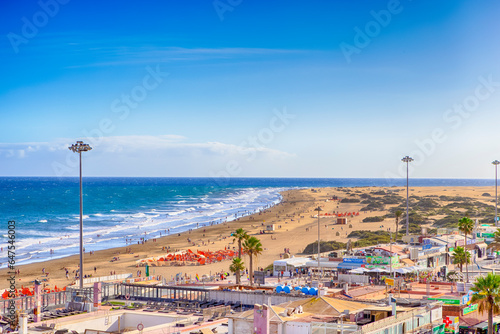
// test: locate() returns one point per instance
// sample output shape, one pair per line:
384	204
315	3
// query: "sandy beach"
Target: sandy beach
295	228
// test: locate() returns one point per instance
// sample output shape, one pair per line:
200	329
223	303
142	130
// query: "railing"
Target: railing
326	327
27	303
163	292
106	278
354	278
394	320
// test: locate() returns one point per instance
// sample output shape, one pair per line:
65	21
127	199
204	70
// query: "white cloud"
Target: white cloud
139	156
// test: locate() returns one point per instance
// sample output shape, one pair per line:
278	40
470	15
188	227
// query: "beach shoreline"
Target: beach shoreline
150	235
295	228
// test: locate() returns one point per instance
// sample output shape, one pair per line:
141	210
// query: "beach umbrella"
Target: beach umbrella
286	289
377	270
297	288
305	290
359	270
423	268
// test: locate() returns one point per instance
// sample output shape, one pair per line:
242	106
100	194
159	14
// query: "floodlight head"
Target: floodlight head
80	147
318	209
496	162
407	159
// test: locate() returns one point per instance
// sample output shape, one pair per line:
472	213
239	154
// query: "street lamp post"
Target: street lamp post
319	209
407	159
390	255
345	313
496	163
80	147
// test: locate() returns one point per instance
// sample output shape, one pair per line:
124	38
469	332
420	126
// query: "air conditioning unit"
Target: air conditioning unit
414	253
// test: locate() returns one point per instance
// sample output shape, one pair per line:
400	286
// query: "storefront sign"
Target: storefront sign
438	329
381	260
451	324
447	301
470	309
353	260
467	298
389	281
434	250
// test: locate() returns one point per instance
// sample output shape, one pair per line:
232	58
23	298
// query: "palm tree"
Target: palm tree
240	235
466	225
487	296
461	257
236	267
252	247
398	215
495	244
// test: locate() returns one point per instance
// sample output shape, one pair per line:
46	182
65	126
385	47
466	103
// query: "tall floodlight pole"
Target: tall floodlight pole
496	163
390	255
407	159
80	147
319	209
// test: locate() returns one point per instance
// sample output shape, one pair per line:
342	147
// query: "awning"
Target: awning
481	245
408	262
322	264
345	265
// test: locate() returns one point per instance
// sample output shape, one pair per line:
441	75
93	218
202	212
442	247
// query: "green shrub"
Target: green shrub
373	219
350	200
325	246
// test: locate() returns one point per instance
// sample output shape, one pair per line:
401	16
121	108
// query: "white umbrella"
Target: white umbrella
377	270
402	271
359	270
422	268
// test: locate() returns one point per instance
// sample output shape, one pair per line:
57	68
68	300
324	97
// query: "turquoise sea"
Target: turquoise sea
46	210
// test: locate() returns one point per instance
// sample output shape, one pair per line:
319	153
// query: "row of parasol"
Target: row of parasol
25	291
201	257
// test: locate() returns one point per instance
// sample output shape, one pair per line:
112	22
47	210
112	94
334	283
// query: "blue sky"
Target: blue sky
250	88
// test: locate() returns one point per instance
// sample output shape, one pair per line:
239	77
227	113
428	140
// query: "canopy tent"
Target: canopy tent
402	271
360	270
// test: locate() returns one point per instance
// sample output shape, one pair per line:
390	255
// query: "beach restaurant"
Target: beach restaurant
285	265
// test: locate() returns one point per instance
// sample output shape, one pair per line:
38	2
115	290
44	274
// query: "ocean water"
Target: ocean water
120	211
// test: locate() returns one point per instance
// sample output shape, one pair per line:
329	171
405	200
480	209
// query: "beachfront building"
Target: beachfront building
290	265
332	315
485	231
